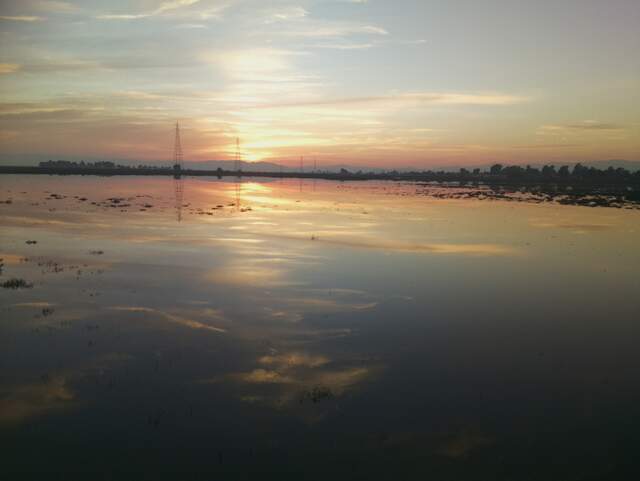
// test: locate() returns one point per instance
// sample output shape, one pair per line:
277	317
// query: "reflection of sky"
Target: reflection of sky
344	308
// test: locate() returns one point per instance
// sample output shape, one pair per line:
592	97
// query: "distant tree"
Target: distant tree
564	171
549	171
532	170
513	171
496	169
579	170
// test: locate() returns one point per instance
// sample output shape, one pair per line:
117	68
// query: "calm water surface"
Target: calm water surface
206	329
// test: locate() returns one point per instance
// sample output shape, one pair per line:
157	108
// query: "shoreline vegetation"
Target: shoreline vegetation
580	186
497	174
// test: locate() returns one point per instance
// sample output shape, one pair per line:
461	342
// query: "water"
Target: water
313	330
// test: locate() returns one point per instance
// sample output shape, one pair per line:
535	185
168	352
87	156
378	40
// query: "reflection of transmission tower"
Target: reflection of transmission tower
238	157
238	192
177	151
179	197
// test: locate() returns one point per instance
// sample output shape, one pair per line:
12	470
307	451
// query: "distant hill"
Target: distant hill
230	165
31	159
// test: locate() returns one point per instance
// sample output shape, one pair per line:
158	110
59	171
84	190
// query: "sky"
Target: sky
381	83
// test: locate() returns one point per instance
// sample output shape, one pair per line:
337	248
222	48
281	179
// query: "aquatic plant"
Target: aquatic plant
14	283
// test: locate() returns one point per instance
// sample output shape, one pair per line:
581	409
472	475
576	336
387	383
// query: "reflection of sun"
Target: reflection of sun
255	188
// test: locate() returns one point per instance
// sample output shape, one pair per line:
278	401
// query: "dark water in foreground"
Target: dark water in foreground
288	330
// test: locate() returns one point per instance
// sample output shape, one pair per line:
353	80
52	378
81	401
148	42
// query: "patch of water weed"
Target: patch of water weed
15	283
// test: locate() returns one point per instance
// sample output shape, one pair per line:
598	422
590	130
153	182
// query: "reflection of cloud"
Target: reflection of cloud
460	445
29	400
237	274
325	305
34	304
11	259
23	402
294	359
284	315
263	376
341	380
289	377
177	319
391	245
293	383
578	226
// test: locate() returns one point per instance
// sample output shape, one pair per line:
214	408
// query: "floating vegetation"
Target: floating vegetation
15	283
31	242
96	253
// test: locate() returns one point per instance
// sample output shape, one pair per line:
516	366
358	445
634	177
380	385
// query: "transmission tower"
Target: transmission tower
177	151
238	157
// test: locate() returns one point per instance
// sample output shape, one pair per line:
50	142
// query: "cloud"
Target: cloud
190	25
286	14
346	46
21	18
56	6
417	98
173	5
367	45
256	60
317	29
174	8
9	68
582	126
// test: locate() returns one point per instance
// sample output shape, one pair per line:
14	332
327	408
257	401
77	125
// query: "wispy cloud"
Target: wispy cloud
21	18
9	68
173	7
345	46
56	6
317	29
285	14
418	98
576	127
